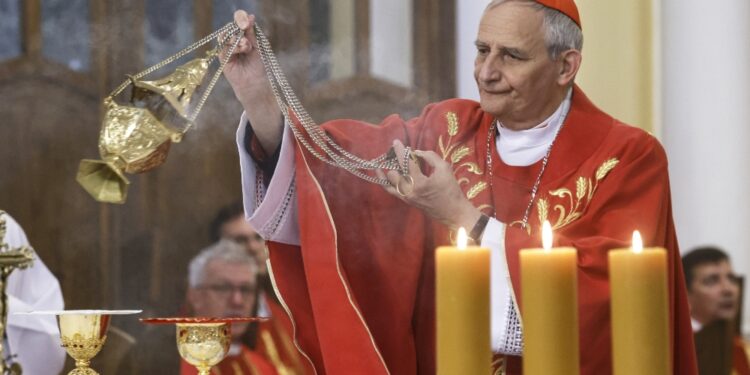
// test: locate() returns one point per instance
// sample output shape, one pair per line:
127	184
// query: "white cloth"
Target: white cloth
521	148
272	211
697	326
34	340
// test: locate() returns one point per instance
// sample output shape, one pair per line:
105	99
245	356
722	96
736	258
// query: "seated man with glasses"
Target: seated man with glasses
221	283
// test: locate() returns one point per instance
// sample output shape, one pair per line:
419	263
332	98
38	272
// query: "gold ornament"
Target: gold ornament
136	137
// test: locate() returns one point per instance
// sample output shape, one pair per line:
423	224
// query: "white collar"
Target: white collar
526	147
697	326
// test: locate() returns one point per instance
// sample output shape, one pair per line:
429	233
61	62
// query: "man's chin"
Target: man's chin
493	107
727	314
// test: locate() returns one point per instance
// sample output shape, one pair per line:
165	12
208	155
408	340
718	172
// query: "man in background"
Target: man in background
713	295
221	283
31	341
230	224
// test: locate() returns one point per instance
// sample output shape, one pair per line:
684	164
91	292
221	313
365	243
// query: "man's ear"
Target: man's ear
569	62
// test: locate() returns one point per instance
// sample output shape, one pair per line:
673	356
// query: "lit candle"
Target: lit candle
640	331
463	308
550	308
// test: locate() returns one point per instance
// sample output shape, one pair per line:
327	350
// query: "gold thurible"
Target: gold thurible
136	137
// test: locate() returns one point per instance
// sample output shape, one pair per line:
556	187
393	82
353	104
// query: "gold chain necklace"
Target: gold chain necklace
525	222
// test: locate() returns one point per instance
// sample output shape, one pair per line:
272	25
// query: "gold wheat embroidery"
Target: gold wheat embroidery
572	206
455	153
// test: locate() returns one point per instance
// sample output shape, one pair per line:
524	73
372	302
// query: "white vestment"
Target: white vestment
33	340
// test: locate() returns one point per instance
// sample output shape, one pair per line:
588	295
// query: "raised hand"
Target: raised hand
437	195
247	76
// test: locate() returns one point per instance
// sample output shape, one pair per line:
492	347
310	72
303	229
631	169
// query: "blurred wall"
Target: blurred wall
707	124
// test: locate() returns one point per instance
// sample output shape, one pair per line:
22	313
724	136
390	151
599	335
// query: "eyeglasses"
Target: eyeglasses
243	239
226	290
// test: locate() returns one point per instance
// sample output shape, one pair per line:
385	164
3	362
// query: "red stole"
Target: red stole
361	287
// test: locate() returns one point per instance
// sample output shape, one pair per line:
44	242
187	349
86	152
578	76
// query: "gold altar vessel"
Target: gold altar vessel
202	342
82	334
203	345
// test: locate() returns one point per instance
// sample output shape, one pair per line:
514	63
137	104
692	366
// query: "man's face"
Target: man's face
517	80
713	293
240	231
228	290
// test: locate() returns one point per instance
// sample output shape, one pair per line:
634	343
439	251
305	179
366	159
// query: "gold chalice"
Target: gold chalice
82	333
202	342
83	336
203	345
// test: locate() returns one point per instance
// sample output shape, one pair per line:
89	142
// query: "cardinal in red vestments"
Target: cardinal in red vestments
353	261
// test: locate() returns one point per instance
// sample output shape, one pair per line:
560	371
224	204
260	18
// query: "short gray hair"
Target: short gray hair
561	33
224	250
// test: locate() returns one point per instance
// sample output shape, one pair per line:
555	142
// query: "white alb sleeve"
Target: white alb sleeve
507	335
271	210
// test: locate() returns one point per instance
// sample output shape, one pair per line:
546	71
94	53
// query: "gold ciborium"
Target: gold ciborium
202	342
136	137
82	334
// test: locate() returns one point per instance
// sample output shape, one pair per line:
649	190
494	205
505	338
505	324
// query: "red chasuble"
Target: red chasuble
274	342
740	362
360	288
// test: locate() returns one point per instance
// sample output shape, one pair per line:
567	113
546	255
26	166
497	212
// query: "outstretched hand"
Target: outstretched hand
437	195
244	70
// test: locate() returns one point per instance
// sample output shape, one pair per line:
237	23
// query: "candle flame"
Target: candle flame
462	239
547	236
637	242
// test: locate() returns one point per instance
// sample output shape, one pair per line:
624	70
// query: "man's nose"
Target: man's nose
490	70
237	297
728	286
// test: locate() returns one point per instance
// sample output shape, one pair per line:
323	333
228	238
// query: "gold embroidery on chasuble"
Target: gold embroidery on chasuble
465	171
567	205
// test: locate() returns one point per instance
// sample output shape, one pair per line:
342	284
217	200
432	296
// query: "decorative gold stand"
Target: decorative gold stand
10	259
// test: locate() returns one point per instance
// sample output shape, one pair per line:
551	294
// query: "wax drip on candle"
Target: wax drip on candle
637	242
462	239
547	236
